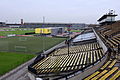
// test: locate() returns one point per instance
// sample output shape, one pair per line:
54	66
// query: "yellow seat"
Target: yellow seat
114	77
109	73
91	76
99	75
112	64
104	66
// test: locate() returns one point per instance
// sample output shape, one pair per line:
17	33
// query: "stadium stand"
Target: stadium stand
77	49
60	64
108	70
79	57
94	57
84	57
110	34
114	77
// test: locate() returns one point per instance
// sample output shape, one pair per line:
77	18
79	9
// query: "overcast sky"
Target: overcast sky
57	11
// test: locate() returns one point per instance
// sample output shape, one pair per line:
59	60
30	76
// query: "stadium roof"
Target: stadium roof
83	37
105	16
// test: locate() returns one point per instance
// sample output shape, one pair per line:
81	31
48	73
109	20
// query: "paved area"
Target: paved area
24	76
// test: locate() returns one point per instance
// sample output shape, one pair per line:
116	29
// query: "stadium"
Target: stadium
61	51
92	55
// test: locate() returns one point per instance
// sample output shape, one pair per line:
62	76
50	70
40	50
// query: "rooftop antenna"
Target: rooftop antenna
114	12
43	19
111	11
6	21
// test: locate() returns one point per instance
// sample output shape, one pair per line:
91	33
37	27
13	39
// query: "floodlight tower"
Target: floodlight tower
43	34
68	42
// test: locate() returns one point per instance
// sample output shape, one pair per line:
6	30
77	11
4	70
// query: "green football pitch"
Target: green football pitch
5	33
14	49
28	44
9	61
76	31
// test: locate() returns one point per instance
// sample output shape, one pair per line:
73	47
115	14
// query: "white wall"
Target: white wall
110	18
100	42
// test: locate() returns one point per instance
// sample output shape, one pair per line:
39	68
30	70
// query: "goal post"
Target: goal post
22	38
20	49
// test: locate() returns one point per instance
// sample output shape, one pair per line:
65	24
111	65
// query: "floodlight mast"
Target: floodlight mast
68	41
43	19
43	33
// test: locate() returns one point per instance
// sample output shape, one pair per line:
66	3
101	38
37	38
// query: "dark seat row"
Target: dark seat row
110	34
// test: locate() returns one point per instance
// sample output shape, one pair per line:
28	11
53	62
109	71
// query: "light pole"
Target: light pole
68	41
43	34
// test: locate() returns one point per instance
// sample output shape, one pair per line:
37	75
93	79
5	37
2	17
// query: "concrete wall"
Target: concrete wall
100	42
31	76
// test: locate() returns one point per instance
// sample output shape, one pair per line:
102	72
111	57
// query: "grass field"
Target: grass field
13	49
9	61
5	33
16	48
75	31
28	44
